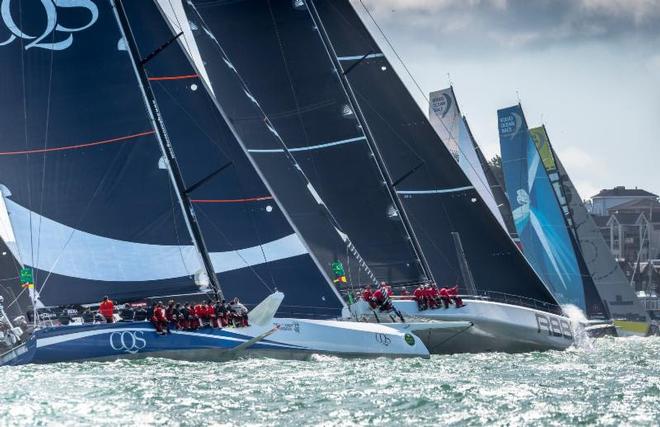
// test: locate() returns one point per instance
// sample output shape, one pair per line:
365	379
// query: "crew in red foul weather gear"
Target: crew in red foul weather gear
158	318
444	296
368	296
418	294
107	308
453	294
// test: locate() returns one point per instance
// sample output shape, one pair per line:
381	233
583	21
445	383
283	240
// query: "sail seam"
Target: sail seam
311	147
437	191
249	199
356	57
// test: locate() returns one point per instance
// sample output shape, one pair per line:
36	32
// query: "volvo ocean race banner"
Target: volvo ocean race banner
536	213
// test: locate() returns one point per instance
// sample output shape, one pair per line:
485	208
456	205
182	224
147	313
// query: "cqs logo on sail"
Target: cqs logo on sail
128	341
52	32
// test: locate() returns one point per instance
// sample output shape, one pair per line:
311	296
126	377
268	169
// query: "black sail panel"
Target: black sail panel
278	53
437	196
253	248
90	209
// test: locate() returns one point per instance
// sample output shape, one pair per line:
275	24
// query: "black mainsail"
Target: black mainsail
253	247
85	182
435	193
278	54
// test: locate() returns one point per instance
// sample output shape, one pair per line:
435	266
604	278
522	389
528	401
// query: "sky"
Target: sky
588	69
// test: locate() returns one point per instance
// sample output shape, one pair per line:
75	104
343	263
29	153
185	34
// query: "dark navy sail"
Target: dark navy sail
90	209
435	192
253	248
277	51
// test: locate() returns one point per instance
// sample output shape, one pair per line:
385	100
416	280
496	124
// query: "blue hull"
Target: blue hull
137	340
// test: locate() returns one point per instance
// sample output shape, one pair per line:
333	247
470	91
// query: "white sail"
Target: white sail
446	119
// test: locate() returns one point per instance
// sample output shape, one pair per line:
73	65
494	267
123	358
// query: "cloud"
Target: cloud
519	23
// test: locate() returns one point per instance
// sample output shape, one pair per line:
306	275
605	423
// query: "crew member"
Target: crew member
453	294
240	313
418	295
169	315
184	314
405	292
140	314
107	308
444	297
367	293
193	320
127	314
158	318
221	313
88	316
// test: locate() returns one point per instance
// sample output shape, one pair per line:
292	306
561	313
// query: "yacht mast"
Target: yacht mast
352	99
165	144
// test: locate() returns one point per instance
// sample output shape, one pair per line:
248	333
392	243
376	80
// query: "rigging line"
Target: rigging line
195	122
43	171
77	146
25	131
417	85
238	252
173	204
83	214
271	128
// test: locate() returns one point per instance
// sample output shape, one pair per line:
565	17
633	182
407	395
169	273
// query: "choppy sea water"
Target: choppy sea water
615	383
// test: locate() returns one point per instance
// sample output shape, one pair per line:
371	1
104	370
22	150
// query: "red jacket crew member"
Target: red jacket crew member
107	308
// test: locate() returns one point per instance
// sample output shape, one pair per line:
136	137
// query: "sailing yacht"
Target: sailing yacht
334	113
618	302
119	178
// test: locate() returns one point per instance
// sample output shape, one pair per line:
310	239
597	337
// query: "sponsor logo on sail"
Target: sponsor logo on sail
53	36
510	124
441	104
128	341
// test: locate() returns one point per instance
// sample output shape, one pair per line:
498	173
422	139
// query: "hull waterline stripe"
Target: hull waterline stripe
74	147
448	190
356	57
182	77
311	147
250	199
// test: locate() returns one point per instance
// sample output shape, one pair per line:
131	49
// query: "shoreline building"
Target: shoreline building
630	222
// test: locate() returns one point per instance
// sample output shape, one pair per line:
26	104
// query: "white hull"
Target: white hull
495	327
